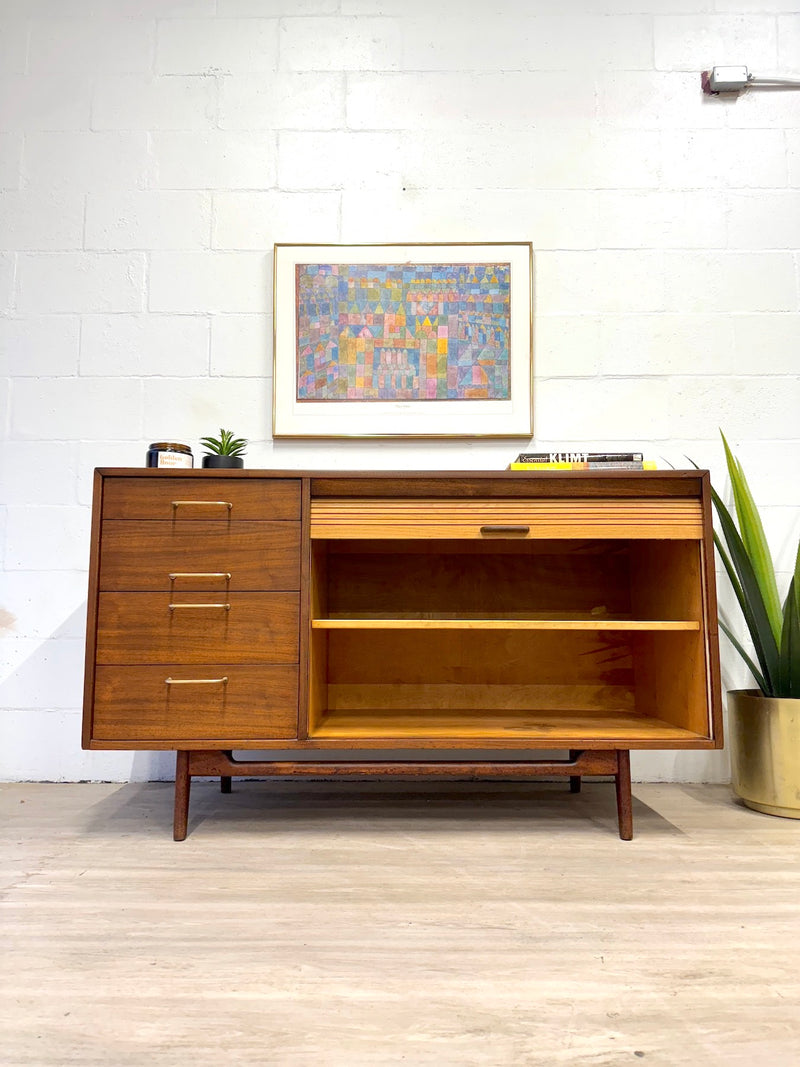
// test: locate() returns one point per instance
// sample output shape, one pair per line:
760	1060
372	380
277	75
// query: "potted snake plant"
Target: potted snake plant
224	451
763	723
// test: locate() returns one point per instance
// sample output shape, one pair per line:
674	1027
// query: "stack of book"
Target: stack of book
581	461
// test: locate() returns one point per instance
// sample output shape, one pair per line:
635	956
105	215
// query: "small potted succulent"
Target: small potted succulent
225	451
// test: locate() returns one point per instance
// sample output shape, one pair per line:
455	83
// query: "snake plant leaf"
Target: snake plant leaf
733	577
752	599
744	607
755	541
734	640
790	645
790	637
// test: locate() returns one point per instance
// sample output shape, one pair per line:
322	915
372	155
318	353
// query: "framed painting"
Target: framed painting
422	340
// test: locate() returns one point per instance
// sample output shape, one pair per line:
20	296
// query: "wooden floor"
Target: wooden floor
316	924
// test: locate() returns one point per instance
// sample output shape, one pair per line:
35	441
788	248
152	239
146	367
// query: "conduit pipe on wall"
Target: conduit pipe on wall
737	79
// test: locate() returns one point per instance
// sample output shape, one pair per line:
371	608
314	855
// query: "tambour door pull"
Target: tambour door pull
174	607
196	681
200	574
202	504
505	529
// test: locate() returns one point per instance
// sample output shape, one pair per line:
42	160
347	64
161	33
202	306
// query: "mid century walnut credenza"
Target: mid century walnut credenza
360	614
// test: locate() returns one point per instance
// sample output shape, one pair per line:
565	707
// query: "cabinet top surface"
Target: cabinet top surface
685	483
453	475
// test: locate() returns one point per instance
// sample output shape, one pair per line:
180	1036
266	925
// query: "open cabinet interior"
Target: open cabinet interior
508	640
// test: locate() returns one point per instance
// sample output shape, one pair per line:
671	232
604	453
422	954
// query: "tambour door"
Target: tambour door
377	518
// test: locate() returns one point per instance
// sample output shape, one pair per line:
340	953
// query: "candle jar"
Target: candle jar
169	454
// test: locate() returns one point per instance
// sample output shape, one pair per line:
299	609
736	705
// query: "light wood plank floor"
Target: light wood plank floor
315	924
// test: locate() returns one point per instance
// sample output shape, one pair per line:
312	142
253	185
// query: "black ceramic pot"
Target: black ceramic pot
223	462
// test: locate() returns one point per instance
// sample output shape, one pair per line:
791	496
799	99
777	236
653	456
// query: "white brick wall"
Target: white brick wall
217	159
152	151
100	45
216	46
86	160
147	220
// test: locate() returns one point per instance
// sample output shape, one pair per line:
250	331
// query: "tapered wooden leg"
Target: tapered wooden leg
574	779
624	802
225	779
183	784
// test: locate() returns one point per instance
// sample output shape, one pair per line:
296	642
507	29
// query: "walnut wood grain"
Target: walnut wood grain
136	703
579	763
183	786
567	729
407	623
494	519
140	628
218	762
614	485
91	614
136	498
141	555
622	781
402	610
472	578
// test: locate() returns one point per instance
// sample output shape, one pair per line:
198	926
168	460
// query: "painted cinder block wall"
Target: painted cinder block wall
152	151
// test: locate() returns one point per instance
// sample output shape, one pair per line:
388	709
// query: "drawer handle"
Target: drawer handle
202	504
196	681
505	529
200	574
175	607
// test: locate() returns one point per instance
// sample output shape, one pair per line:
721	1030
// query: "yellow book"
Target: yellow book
647	465
547	466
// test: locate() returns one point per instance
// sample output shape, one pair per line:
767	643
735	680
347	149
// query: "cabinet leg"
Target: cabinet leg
624	802
183	782
225	779
574	779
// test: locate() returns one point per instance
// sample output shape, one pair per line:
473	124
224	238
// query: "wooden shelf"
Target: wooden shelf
544	727
444	622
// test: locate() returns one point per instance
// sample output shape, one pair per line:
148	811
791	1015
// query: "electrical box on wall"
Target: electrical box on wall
725	79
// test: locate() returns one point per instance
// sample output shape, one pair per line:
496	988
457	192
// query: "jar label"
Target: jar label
174	459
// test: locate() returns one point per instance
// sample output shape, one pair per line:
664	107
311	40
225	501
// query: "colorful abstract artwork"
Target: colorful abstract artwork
403	340
402	332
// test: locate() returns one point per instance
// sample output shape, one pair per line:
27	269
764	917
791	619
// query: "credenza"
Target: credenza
468	625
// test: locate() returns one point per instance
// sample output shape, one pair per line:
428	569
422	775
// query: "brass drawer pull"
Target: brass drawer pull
174	607
200	574
196	681
202	504
505	529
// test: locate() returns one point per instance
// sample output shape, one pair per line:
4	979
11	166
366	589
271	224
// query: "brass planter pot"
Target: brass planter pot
765	751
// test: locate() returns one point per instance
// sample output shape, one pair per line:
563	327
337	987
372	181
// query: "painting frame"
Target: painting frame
505	375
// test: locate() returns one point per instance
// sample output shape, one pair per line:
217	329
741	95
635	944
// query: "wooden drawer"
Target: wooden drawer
201	499
139	704
154	628
492	519
142	555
